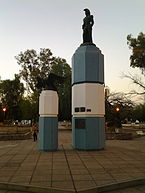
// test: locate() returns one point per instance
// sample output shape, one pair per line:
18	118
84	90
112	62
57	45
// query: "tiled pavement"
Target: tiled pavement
22	163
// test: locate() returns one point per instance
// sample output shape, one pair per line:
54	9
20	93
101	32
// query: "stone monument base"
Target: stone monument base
48	137
88	134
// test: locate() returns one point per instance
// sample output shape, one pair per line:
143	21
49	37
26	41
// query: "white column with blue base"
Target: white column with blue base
88	102
48	120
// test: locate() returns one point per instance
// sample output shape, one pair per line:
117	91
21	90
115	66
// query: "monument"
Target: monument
48	111
88	101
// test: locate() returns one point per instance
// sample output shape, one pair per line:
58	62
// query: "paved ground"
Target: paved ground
22	163
138	189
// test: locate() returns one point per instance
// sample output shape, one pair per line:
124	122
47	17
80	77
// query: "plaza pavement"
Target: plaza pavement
121	164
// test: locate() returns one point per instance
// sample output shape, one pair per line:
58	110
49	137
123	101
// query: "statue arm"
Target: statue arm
83	26
92	20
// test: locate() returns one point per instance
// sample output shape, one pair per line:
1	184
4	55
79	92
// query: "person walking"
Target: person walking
35	132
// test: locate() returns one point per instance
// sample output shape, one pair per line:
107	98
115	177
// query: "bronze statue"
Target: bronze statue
88	22
50	82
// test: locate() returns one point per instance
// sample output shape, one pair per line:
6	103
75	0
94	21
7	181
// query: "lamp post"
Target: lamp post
118	121
4	110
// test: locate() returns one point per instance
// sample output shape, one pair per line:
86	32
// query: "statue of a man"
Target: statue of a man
88	22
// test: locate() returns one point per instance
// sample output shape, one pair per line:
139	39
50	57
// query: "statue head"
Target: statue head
87	11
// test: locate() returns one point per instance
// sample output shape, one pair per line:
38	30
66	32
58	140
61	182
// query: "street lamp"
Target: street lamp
118	120
4	110
117	109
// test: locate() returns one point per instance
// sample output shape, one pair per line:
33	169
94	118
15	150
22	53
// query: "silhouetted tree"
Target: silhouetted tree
114	116
11	93
40	64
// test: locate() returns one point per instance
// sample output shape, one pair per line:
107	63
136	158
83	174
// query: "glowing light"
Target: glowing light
4	109
117	109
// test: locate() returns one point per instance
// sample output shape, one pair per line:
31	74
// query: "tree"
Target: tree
11	92
64	90
139	81
25	109
1	113
137	45
118	109
139	112
137	60
40	64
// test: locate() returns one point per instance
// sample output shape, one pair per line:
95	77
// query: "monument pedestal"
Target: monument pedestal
48	120
88	133
88	101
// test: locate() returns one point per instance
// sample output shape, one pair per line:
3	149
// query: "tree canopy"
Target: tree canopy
137	45
118	109
137	59
11	93
139	113
34	64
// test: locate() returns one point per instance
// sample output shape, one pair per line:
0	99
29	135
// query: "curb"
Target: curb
98	189
31	189
115	186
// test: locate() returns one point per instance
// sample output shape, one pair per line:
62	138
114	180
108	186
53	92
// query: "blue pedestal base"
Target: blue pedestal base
48	133
88	133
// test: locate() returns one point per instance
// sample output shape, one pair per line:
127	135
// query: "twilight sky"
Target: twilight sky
56	24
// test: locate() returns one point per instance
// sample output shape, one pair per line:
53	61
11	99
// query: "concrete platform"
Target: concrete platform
24	168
